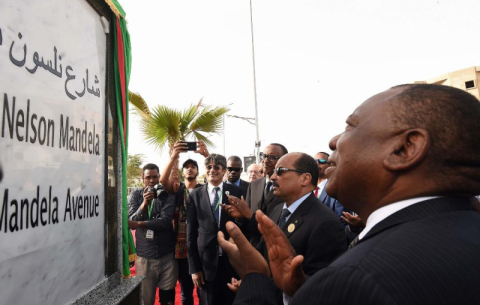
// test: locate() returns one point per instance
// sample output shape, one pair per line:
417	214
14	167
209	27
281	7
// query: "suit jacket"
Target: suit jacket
317	234
244	185
427	253
202	230
334	205
256	200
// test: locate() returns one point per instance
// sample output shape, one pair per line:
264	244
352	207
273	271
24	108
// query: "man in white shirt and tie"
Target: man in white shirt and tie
209	267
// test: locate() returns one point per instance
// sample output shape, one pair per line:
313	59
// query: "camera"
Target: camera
191	145
158	191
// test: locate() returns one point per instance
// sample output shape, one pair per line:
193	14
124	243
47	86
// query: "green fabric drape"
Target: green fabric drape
122	68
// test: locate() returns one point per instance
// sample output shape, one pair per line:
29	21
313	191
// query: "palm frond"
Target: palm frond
163	127
203	138
200	102
209	120
187	117
140	106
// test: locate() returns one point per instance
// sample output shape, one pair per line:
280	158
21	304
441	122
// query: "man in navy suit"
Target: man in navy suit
322	161
408	164
234	170
207	263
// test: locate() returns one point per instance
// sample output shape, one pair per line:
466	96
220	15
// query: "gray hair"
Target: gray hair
217	159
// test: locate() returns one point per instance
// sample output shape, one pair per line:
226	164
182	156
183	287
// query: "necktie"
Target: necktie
267	189
316	191
354	242
214	204
283	218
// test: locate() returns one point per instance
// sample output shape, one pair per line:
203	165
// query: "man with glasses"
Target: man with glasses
234	170
346	217
150	215
312	229
254	172
209	266
412	180
322	161
260	194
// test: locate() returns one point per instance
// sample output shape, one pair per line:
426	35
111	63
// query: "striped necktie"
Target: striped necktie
283	218
354	242
214	204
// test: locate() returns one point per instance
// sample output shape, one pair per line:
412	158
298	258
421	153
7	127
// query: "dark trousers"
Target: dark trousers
216	292
185	280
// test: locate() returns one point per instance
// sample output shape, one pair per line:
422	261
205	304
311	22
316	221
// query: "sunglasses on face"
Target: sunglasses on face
234	169
215	167
280	170
321	161
271	157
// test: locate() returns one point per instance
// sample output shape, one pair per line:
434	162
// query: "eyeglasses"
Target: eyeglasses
216	167
271	157
234	169
322	161
280	170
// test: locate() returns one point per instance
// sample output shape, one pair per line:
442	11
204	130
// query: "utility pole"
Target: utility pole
257	142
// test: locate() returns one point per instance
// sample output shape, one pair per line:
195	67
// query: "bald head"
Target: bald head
254	171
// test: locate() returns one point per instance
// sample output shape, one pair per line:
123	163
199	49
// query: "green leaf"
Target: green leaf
163	126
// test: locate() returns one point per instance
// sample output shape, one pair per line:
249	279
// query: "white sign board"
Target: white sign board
52	149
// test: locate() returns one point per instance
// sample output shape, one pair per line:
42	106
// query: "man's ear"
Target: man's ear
307	179
409	149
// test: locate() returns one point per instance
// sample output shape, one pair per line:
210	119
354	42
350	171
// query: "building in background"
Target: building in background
465	79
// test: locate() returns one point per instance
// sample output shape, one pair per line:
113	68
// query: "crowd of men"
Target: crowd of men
390	217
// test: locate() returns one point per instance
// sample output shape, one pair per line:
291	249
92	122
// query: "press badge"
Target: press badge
149	234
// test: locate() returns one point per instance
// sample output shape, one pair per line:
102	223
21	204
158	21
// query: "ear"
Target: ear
409	149
306	179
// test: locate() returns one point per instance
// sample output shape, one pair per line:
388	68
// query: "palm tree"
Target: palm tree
163	126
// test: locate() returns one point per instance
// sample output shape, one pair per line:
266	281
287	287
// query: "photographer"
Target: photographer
150	213
190	173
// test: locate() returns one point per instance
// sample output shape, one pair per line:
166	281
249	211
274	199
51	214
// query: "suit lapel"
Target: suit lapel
206	205
421	210
269	198
259	195
296	220
224	217
323	195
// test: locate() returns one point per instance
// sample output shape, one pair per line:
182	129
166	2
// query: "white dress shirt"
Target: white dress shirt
295	205
211	194
383	212
321	185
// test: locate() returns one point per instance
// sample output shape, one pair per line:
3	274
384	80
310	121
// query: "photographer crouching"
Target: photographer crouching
150	213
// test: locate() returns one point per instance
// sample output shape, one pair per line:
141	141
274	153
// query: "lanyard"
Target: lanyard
185	199
150	208
218	202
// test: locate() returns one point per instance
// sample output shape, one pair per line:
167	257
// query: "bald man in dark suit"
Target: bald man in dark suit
421	242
